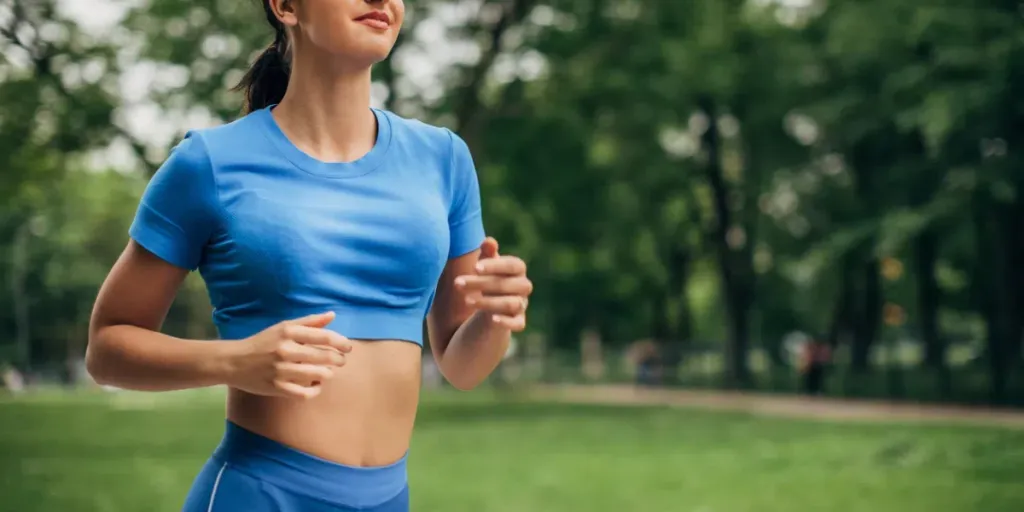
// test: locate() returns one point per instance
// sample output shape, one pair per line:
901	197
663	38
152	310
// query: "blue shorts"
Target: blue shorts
250	473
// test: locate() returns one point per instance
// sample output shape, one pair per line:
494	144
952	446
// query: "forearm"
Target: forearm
474	351
130	357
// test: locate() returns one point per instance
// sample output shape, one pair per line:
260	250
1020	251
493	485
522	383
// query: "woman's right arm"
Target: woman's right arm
172	225
127	350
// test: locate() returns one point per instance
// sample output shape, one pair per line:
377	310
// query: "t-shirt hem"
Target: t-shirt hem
160	246
466	236
357	323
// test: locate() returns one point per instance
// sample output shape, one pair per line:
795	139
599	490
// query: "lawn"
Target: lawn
477	453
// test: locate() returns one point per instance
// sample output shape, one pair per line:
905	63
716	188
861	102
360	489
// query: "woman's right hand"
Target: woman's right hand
290	359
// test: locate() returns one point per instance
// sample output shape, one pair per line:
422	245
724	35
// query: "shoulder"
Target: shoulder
215	141
187	163
194	159
428	139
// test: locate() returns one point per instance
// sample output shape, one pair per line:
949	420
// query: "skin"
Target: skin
349	401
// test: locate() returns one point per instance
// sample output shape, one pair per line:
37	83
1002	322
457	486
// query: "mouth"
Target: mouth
375	19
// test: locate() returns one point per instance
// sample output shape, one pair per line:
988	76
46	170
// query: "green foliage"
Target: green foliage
697	172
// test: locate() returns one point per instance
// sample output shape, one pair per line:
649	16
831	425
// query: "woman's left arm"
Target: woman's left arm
481	299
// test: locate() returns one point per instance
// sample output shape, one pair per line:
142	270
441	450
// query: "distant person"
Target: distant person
326	231
814	361
649	371
647	360
13	380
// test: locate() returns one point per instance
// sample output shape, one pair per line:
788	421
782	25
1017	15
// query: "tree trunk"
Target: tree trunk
841	323
679	278
996	294
736	294
1015	234
660	329
866	323
20	298
928	301
679	332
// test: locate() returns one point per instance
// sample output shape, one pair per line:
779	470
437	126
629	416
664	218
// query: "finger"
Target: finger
509	305
303	374
494	285
317	336
310	354
504	265
514	323
489	249
295	390
317	320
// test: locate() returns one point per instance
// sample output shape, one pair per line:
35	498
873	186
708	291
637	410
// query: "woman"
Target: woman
325	231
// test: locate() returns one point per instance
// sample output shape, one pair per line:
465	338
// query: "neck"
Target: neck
326	111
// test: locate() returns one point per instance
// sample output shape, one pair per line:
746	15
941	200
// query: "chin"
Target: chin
368	54
378	52
366	51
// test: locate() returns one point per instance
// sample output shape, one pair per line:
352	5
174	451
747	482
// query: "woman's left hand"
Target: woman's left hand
499	287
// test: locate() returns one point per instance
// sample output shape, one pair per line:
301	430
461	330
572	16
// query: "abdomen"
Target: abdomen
363	417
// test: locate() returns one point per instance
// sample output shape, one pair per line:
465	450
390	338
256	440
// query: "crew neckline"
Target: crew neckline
312	165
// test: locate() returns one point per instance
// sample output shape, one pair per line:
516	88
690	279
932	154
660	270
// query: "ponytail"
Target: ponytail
266	81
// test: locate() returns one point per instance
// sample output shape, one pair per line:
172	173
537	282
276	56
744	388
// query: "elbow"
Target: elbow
458	378
94	366
463	385
464	382
95	363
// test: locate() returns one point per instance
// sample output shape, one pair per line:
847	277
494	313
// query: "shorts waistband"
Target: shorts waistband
300	472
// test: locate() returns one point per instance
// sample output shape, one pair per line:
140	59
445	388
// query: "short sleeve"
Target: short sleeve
176	216
465	221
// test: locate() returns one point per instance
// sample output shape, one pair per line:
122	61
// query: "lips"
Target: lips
375	19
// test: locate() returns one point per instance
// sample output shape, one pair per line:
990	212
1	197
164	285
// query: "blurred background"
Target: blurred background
778	247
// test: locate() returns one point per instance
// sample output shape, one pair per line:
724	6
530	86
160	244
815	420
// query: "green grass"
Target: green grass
477	453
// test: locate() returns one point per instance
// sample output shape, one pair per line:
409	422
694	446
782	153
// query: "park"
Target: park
776	249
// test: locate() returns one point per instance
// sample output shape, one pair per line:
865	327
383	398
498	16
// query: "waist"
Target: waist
355	322
306	474
363	416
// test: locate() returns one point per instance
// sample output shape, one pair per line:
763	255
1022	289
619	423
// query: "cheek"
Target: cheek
330	27
399	9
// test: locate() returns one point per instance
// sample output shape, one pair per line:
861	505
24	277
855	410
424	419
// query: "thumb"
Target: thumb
317	320
489	249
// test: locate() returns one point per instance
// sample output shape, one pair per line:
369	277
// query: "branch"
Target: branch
513	12
138	148
10	33
41	60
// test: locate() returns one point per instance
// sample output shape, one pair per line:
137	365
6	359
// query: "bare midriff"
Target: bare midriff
363	417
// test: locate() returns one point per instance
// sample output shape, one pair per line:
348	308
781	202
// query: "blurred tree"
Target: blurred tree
56	103
707	174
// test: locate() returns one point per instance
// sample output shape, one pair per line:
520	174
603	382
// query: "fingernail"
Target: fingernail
479	267
496	318
470	301
460	281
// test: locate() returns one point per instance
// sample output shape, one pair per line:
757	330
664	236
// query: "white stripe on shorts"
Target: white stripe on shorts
213	493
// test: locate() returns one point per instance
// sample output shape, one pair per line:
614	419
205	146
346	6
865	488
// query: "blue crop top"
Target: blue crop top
277	234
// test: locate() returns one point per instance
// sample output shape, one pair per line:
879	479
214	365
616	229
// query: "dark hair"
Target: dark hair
266	81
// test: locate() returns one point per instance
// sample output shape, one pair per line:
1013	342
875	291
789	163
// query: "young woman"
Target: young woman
325	231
